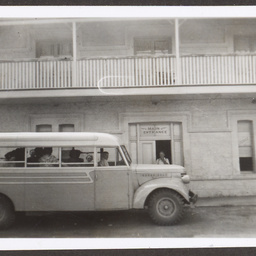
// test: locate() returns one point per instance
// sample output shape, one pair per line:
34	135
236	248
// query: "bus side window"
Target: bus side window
33	155
12	157
77	157
109	156
42	157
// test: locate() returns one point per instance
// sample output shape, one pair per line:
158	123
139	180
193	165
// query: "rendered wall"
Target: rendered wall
209	154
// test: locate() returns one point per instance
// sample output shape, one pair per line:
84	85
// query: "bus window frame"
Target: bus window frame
83	164
118	150
124	152
13	162
59	164
42	163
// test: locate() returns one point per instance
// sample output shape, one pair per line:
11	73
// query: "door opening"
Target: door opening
165	146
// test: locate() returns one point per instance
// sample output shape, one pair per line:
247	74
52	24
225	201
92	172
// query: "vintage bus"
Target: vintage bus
42	172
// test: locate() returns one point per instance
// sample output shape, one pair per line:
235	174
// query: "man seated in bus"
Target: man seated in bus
47	157
74	157
104	159
35	154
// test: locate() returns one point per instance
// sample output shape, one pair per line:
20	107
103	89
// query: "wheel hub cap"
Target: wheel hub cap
166	207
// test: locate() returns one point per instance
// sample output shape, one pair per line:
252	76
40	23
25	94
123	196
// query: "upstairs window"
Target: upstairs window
148	46
245	144
53	49
245	43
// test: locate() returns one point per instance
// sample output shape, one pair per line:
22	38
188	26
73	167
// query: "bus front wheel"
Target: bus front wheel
166	207
7	214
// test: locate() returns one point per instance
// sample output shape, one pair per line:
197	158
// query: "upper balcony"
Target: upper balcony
166	54
119	72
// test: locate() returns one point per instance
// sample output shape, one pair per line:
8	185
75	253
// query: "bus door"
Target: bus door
63	182
112	180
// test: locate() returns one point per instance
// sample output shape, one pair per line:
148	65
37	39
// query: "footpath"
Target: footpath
227	201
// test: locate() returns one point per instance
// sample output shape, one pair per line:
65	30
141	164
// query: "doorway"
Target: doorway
148	139
165	146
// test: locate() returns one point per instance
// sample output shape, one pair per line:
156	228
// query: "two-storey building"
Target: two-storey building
182	86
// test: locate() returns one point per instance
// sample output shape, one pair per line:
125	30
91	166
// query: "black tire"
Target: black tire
166	207
7	214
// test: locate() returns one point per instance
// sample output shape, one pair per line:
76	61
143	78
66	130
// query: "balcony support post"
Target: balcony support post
177	53
74	71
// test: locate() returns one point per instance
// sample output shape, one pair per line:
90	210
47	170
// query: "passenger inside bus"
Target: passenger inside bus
104	159
47	157
35	154
77	157
74	156
15	155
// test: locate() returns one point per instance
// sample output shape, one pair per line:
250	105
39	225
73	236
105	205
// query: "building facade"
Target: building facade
182	86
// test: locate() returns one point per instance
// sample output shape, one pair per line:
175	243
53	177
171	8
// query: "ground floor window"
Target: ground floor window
56	123
147	140
44	128
245	145
60	128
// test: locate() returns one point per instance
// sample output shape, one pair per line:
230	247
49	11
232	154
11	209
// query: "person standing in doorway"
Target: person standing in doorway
162	159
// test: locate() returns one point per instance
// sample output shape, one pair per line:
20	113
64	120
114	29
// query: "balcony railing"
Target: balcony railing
128	72
123	72
35	75
218	69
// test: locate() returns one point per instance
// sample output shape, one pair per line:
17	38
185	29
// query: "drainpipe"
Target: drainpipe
74	54
177	53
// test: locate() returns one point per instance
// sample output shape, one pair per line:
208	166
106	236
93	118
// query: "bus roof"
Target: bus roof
55	139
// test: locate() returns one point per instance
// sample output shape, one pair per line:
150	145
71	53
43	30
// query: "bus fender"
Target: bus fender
147	188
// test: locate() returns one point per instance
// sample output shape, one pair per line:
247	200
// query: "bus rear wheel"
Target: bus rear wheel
166	207
7	214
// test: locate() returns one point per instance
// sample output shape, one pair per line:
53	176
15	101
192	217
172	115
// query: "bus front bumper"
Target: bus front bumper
192	197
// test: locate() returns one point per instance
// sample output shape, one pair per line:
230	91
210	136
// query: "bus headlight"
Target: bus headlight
185	179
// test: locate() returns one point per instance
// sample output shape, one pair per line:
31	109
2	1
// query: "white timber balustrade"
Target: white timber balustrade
134	71
35	74
126	72
218	69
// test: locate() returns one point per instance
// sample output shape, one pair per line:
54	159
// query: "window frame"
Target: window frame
56	49
83	164
120	151
59	164
55	120
14	162
233	118
251	39
43	163
152	41
40	166
252	147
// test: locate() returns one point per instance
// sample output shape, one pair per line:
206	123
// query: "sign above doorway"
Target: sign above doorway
154	130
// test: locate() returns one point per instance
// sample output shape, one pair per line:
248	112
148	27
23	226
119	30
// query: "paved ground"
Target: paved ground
217	221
